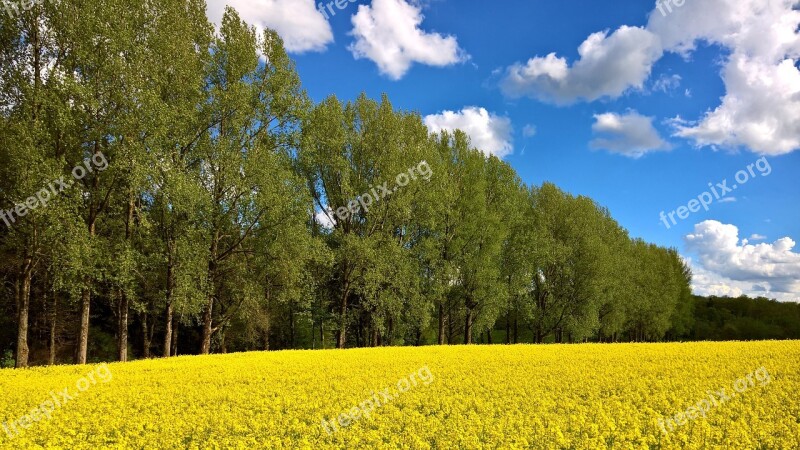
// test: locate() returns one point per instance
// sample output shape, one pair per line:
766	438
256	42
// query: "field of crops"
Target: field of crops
698	395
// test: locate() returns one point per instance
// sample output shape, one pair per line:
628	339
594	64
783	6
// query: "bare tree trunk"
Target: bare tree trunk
508	327
122	340
122	326
208	314
86	295
205	348
175	327
468	327
441	324
168	334
53	316
169	293
292	329
83	334
23	308
451	332
222	342
516	327
146	342
341	335
374	337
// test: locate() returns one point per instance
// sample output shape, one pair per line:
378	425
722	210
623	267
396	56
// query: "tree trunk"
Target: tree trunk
223	345
441	324
374	338
208	314
341	335
53	316
468	327
516	327
489	337
508	328
169	293
168	333
23	308
86	295
205	348
146	343
122	343
83	334
451	332
122	326
292	326
175	327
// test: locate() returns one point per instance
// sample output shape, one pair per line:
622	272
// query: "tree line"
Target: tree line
213	225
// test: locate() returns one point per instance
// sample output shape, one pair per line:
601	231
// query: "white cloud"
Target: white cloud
388	32
758	237
529	131
727	200
301	26
489	133
326	220
608	66
761	107
667	83
707	283
772	270
760	110
631	134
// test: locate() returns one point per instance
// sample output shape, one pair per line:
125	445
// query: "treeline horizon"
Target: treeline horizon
225	216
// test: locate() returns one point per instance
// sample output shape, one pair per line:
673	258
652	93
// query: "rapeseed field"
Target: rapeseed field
588	396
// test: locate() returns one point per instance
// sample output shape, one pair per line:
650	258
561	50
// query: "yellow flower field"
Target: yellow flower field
553	396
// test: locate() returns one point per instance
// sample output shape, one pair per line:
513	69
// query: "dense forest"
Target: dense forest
167	188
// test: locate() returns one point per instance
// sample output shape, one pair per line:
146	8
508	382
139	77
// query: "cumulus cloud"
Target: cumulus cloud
760	110
756	269
608	66
301	26
630	134
388	33
761	107
489	133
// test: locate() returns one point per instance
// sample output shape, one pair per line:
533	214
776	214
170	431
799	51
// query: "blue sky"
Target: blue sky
636	109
